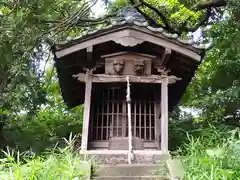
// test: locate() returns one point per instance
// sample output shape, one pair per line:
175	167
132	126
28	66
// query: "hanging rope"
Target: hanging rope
128	98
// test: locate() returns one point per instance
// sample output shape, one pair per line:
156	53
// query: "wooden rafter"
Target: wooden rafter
166	56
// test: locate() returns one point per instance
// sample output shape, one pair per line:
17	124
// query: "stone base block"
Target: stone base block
121	143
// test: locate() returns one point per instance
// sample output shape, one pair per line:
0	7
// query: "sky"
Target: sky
98	8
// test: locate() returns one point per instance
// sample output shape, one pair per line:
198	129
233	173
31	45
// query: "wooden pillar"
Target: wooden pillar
164	115
86	115
157	127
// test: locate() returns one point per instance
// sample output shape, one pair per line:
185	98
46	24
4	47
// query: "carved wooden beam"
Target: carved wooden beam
103	78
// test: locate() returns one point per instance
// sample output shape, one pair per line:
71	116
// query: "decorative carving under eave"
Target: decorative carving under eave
118	65
139	66
173	79
134	64
128	41
163	70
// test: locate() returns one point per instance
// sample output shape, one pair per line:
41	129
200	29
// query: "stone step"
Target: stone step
130	178
123	158
130	170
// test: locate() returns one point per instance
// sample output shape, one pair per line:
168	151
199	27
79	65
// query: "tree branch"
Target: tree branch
80	17
160	14
151	20
97	19
208	4
201	22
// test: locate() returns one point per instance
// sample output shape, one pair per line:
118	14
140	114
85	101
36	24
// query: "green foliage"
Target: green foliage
214	158
49	124
175	11
23	25
182	125
179	125
57	164
44	130
216	87
209	151
38	118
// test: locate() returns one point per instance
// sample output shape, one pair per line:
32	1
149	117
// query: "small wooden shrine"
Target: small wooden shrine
129	76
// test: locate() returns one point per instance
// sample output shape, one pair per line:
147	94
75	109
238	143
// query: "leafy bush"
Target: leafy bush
44	130
214	157
182	124
57	164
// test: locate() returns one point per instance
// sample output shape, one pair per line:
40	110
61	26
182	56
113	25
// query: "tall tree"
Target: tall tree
216	87
23	54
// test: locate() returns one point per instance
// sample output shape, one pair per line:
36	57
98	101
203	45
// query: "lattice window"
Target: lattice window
143	119
109	113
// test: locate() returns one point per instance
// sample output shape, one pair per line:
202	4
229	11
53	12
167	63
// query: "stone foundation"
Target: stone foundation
123	158
110	158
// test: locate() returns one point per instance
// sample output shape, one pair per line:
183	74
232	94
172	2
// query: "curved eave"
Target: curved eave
140	34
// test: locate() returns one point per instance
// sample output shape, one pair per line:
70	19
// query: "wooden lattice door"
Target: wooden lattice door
109	113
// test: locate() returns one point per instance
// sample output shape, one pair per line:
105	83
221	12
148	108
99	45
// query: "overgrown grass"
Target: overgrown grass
56	164
212	157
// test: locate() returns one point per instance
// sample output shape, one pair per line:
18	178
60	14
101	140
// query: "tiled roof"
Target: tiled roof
130	16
